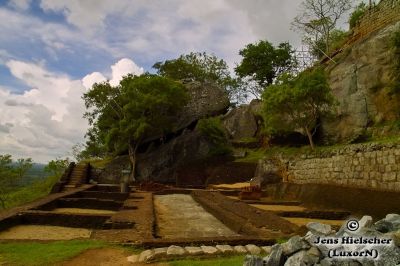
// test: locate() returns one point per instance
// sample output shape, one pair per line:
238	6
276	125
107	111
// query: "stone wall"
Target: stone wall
377	17
372	166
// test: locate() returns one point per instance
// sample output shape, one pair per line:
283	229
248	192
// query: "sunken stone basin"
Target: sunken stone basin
179	216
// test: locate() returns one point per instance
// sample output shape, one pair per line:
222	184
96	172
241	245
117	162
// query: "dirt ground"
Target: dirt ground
84	211
105	257
230	186
44	232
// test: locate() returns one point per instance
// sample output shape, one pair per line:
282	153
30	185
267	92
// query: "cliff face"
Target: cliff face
361	80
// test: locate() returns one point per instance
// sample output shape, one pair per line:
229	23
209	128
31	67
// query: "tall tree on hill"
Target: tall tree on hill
262	63
123	116
295	103
200	67
10	175
318	18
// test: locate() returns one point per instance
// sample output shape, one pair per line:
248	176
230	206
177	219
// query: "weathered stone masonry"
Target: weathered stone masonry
371	166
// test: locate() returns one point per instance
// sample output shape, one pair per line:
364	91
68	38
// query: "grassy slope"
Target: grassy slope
31	253
30	193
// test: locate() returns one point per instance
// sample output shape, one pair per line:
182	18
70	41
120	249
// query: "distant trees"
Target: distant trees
57	167
122	117
262	63
318	19
10	175
295	103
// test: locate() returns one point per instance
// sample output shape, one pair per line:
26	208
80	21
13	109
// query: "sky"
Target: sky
52	51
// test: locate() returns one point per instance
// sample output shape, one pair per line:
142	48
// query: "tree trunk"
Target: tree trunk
310	139
132	160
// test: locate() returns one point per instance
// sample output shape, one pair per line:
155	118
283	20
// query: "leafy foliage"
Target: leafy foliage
199	67
10	175
318	18
262	63
57	167
297	102
336	39
122	117
357	14
213	130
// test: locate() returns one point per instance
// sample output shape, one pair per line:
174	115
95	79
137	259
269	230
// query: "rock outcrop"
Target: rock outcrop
205	100
243	121
361	79
160	156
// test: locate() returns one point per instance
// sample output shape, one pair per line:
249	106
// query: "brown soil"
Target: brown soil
305	221
44	232
230	186
105	257
278	207
82	211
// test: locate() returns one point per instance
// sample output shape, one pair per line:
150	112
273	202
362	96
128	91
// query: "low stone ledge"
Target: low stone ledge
176	252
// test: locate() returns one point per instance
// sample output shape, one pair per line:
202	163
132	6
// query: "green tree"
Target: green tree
22	166
10	175
57	167
199	67
262	63
122	117
357	14
318	18
336	40
295	103
7	177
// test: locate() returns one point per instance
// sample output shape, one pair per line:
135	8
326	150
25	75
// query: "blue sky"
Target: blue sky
51	51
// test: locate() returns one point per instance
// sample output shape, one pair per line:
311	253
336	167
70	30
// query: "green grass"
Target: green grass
99	163
30	193
225	261
30	253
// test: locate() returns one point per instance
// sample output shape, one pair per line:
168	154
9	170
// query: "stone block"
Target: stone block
146	255
225	249
194	251
175	251
210	250
240	249
253	249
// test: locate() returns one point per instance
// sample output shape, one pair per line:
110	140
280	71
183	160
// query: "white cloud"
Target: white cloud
20	4
46	121
90	79
122	68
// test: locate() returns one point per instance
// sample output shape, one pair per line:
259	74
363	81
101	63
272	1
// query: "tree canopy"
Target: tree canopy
295	103
10	175
262	63
317	20
121	117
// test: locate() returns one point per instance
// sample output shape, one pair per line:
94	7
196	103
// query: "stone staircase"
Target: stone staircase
78	176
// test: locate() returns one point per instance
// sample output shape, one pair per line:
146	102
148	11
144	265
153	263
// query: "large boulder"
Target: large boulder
205	100
243	122
360	80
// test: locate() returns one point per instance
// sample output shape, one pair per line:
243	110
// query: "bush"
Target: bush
214	132
357	14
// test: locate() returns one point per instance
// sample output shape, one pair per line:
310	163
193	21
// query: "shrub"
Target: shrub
214	132
357	14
